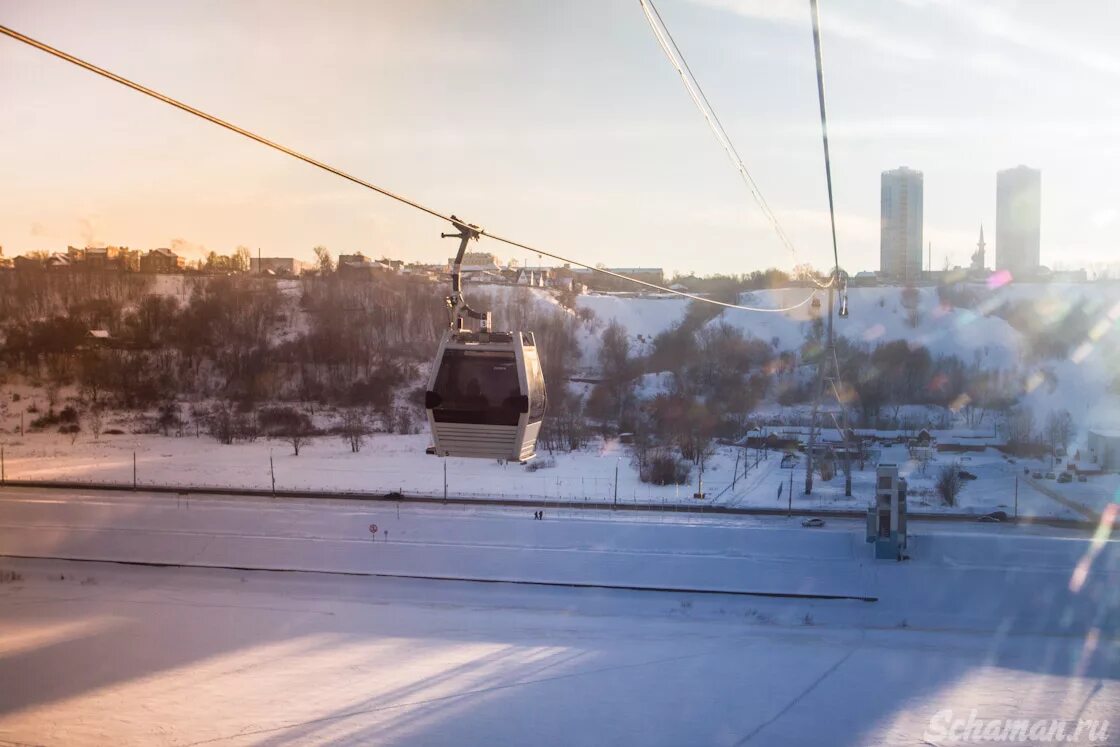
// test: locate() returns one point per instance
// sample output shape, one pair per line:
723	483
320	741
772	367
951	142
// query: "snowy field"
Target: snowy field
398	463
992	621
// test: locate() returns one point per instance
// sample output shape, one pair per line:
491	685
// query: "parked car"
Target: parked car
1036	475
1049	475
813	522
1082	478
1065	477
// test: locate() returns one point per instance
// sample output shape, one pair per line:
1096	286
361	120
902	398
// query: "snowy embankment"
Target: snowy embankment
878	315
393	463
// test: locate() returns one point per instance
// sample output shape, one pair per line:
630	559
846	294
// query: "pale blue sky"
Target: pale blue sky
556	123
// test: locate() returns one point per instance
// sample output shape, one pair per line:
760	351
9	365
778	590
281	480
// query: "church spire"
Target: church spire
978	256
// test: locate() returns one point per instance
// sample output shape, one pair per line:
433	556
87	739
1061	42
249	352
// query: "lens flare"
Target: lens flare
998	279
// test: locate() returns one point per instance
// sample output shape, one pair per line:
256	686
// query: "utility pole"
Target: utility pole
821	363
616	463
789	498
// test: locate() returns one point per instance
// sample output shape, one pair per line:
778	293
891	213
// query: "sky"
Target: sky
558	124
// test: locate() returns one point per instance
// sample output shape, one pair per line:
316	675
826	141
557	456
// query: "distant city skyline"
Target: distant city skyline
559	125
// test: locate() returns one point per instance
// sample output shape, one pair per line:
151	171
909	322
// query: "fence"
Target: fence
447	480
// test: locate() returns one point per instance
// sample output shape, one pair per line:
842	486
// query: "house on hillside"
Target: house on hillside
25	263
163	261
603	282
103	258
359	266
286	266
477	262
58	261
97	338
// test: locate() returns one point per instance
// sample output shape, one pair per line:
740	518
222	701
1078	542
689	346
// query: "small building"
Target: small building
358	266
276	265
1104	449
58	262
477	262
103	258
25	263
603	282
162	261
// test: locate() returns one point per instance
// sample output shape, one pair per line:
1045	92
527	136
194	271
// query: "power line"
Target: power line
696	92
361	182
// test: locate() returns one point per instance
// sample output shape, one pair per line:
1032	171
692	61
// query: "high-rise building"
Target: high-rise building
900	233
1018	216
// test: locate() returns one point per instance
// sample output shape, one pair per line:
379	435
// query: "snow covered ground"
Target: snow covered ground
1006	622
398	463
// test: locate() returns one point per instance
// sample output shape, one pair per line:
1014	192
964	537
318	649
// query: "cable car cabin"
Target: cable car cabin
486	396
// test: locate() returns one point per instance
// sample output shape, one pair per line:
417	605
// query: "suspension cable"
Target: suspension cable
696	92
815	11
362	182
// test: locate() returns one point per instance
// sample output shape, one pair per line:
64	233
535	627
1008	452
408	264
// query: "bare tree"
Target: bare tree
95	420
324	260
300	434
949	483
354	429
1059	430
298	439
242	259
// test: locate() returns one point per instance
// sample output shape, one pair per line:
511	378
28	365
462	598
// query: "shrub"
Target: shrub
45	421
280	421
665	469
949	483
540	463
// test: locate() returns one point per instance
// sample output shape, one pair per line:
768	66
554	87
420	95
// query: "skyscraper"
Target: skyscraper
1018	216
900	233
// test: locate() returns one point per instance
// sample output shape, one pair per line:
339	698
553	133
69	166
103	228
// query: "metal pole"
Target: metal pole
821	363
445	481
134	470
1016	496
616	480
789	498
271	466
735	472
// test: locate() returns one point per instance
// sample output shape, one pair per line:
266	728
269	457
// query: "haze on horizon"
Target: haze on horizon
560	125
